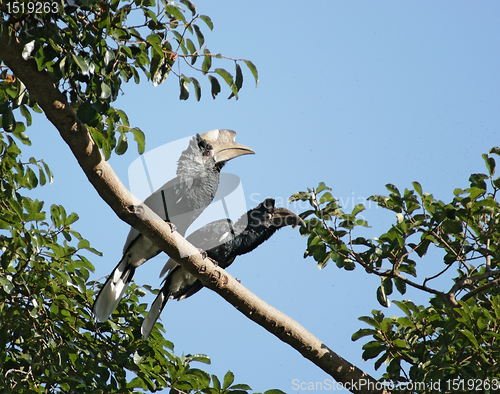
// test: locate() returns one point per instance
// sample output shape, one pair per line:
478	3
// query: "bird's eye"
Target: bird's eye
207	153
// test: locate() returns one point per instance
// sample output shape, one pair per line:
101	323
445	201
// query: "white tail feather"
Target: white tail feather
152	316
112	292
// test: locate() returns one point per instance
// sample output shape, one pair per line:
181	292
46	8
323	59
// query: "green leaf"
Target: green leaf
322	187
122	145
495	150
18	132
228	78
155	41
109	57
82	63
184	94
239	79
192	50
228	380
207	61
477	180
140	138
215	86
208	21
471	337
357	209
26	113
363	332
8	121
157	69
240	386
199	35
392	189
105	91
202	358
86	112
254	71
175	12
216	383
400	285
370	321
300	196
197	88
190	5
382	297
361	222
6	284
48	172
417	187
490	164
387	285
372	350
41	175
73	217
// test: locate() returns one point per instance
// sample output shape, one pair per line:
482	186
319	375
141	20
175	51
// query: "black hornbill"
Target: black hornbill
222	241
180	201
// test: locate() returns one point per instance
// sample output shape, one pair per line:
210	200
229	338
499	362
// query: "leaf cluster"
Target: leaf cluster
464	231
49	341
91	48
436	343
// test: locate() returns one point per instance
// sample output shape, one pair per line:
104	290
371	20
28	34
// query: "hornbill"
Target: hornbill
222	241
180	201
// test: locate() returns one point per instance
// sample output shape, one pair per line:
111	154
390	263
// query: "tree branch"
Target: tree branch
132	211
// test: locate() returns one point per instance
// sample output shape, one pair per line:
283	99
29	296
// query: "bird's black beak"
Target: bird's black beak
224	145
284	217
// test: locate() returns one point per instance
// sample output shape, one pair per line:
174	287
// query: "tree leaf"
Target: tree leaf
197	88
122	145
400	285
490	164
393	189
199	35
239	79
215	86
228	78
86	112
362	333
175	11
82	63
300	196
190	5
207	61
228	380
184	94
254	71
208	21
417	187
18	132
8	120
495	150
105	91
382	297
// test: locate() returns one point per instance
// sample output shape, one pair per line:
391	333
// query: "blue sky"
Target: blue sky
353	93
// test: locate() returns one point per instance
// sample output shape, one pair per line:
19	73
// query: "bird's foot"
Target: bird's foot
203	253
173	227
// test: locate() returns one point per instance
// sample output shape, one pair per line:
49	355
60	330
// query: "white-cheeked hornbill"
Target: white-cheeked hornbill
180	201
222	241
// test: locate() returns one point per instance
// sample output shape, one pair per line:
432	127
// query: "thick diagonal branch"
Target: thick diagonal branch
132	211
